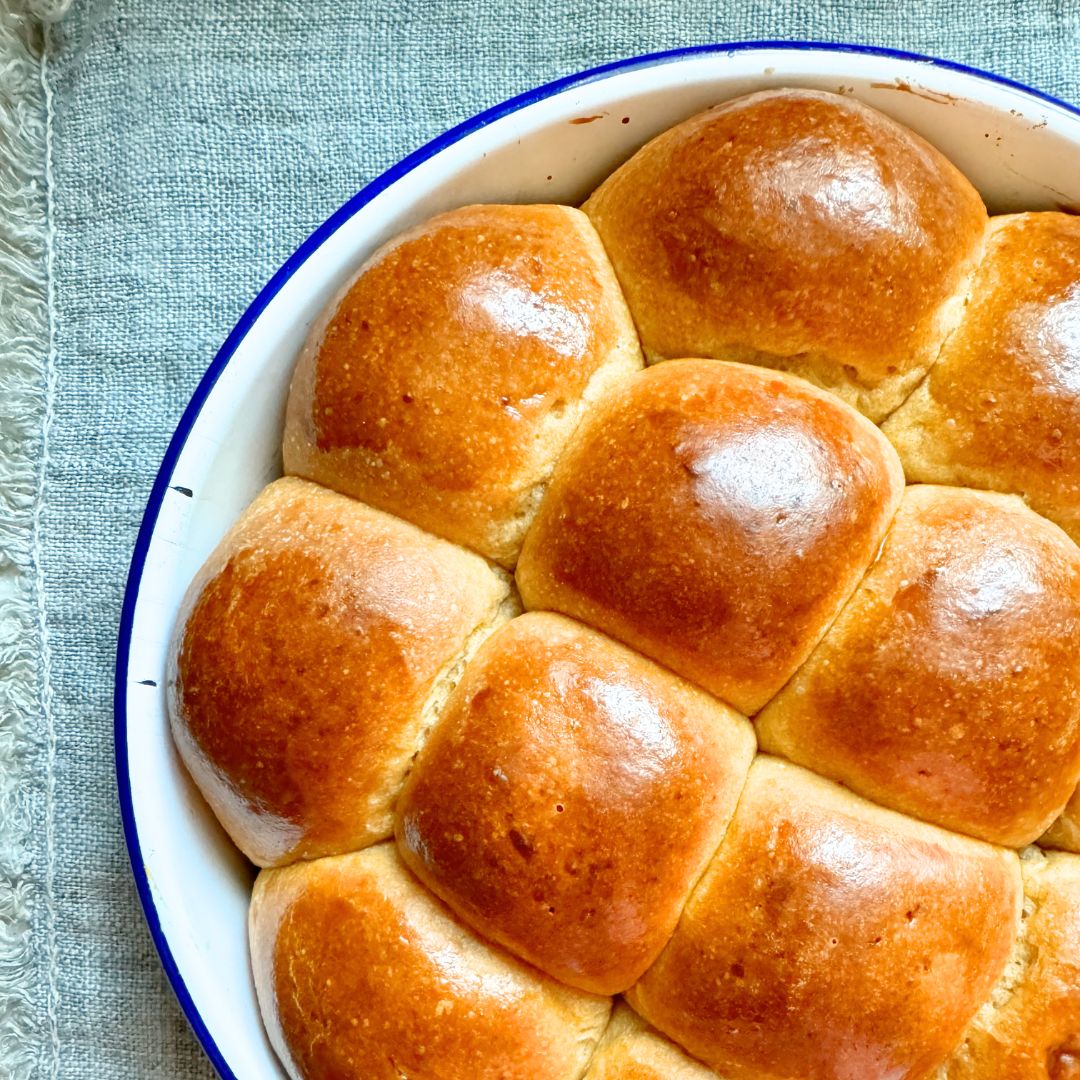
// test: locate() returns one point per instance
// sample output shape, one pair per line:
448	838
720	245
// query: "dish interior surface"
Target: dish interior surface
555	144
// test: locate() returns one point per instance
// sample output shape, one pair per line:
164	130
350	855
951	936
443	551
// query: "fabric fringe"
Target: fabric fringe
24	390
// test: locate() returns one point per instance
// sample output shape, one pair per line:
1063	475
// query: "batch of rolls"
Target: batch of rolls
595	695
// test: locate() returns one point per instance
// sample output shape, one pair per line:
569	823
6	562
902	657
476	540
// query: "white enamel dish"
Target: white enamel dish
553	144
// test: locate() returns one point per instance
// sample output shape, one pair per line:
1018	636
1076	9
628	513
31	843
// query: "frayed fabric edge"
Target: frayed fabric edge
28	1035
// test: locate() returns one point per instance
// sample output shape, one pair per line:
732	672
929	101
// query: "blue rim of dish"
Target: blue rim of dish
256	308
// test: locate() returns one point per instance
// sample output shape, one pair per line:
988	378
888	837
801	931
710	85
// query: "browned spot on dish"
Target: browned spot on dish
937	96
587	119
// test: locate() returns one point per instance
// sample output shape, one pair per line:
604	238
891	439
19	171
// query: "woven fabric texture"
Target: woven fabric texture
194	145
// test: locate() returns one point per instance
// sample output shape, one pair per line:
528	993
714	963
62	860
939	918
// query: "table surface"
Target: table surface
193	146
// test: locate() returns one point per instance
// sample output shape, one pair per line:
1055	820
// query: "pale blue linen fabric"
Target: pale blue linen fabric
196	143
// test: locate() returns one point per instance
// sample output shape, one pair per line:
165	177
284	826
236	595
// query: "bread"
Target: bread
570	798
949	687
830	938
523	298
631	1050
796	229
575	797
716	517
1001	409
311	655
361	973
1029	1029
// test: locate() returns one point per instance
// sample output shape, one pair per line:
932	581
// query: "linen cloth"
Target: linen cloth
194	144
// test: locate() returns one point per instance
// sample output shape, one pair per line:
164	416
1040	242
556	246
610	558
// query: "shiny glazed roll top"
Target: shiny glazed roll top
797	229
311	654
442	383
831	939
570	798
949	686
362	974
1001	409
714	516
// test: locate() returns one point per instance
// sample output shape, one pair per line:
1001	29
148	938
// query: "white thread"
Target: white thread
53	993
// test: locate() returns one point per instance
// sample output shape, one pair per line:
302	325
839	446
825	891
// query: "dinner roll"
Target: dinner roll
797	229
715	516
444	380
631	1050
570	798
1001	409
312	652
949	687
1065	832
1030	1027
831	939
362	975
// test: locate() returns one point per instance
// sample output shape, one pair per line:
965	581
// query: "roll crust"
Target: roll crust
949	686
715	516
570	798
443	382
832	939
362	975
798	229
310	655
1001	409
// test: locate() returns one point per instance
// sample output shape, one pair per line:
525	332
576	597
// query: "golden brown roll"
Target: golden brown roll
631	1050
715	516
362	975
796	229
311	654
949	686
1065	832
831	939
1001	409
443	382
1030	1027
570	798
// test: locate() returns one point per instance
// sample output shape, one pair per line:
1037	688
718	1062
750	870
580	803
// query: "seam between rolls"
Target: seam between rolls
1018	964
848	600
595	1049
506	607
708	862
968	292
